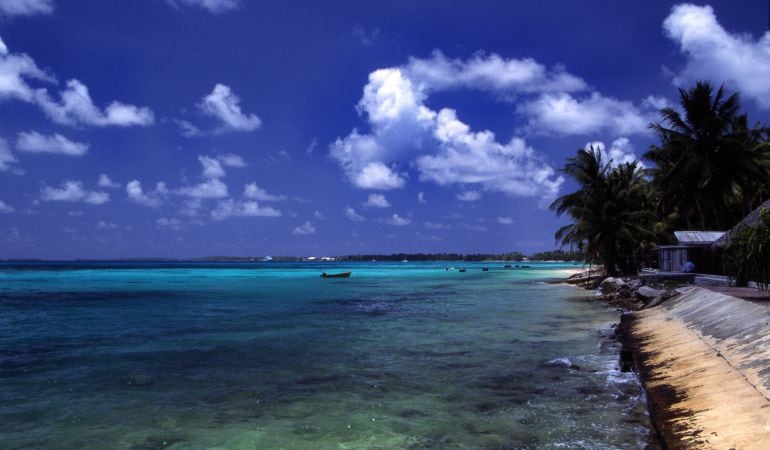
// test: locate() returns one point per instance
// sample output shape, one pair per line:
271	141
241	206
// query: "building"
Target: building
692	246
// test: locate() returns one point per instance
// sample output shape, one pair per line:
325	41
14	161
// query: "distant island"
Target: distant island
555	255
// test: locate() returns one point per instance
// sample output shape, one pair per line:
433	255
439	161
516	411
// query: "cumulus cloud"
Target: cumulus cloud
469	196
304	229
232	160
13	8
441	147
397	220
210	188
34	142
105	181
231	208
224	105
491	73
6	157
213	6
352	215
505	220
152	199
5	208
75	106
565	114
421	198
16	71
254	192
377	201
72	191
620	152
715	54
212	168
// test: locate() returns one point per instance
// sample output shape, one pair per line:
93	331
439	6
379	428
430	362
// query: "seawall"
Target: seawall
704	359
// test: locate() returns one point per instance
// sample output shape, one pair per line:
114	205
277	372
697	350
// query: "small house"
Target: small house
692	246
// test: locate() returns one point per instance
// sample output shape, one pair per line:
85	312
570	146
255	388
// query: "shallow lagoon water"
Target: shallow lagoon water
270	355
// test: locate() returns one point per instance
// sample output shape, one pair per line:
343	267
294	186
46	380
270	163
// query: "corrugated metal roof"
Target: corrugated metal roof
697	237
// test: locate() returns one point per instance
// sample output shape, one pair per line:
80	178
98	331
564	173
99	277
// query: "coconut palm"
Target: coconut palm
706	163
610	211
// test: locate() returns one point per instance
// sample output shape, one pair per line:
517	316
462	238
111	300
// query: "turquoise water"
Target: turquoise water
270	355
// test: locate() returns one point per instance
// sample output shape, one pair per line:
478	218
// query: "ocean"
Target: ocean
270	355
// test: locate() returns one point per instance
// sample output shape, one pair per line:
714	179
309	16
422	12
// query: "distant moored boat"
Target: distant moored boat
336	275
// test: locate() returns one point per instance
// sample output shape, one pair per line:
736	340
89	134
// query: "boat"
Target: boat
507	266
462	270
336	275
485	269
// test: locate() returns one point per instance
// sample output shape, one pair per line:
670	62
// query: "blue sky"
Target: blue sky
188	128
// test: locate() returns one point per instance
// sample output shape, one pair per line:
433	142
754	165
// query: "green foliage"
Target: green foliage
747	254
611	211
709	162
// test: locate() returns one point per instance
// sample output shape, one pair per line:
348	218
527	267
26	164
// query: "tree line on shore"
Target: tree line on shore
709	170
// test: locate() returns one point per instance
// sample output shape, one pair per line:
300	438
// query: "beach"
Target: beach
270	355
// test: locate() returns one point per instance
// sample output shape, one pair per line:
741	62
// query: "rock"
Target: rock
634	283
647	293
660	298
612	285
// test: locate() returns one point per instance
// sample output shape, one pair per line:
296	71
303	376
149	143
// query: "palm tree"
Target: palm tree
610	211
707	162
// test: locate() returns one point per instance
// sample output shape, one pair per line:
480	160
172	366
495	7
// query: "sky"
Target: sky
190	128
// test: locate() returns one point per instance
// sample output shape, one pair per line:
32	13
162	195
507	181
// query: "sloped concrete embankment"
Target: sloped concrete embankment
704	359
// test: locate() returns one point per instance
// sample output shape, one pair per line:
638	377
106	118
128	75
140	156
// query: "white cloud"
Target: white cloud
11	8
377	201
6	157
377	175
76	108
715	54
304	229
34	142
213	6
397	220
152	199
210	188
223	104
491	73
469	158
102	225
212	168
443	149
255	192
188	129
621	151
231	208
105	181
469	196
505	220
72	191
232	160
15	72
172	223
5	208
562	113
319	215
421	198
352	215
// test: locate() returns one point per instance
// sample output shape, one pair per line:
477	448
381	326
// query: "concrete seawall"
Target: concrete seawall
704	359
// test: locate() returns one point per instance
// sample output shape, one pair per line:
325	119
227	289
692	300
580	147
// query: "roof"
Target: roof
698	237
751	220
